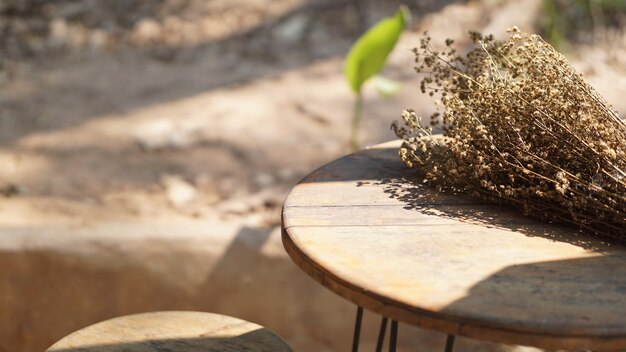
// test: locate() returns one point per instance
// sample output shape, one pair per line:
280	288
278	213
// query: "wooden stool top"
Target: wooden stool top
173	332
365	228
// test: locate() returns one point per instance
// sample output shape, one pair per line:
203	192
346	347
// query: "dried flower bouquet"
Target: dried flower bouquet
522	127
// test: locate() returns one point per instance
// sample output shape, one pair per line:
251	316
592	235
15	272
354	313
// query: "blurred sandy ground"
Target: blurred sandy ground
142	143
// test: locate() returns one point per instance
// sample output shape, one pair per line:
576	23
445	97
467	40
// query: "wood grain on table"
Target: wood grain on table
366	228
175	331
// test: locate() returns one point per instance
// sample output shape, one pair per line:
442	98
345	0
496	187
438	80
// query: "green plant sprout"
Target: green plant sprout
367	57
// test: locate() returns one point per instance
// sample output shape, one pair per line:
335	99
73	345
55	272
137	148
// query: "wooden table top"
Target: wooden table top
364	227
175	331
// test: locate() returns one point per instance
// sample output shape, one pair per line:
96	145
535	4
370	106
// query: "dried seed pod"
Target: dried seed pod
523	127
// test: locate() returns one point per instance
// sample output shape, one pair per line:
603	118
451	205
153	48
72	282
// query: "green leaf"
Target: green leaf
385	86
368	54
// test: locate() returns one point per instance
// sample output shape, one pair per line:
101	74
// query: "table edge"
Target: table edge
434	320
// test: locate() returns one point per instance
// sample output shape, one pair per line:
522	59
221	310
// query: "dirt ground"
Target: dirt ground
195	112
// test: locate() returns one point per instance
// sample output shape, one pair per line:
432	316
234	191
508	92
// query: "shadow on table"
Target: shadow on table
382	167
465	208
551	298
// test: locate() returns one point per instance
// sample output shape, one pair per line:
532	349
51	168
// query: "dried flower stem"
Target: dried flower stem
521	127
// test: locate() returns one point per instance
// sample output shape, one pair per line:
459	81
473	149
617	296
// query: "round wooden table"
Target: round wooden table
364	227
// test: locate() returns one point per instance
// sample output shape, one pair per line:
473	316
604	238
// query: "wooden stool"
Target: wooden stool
172	332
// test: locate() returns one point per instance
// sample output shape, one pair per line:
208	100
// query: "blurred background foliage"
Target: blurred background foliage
565	21
202	114
28	27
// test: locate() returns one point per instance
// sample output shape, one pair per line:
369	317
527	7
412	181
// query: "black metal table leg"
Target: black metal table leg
449	343
381	334
393	336
357	329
